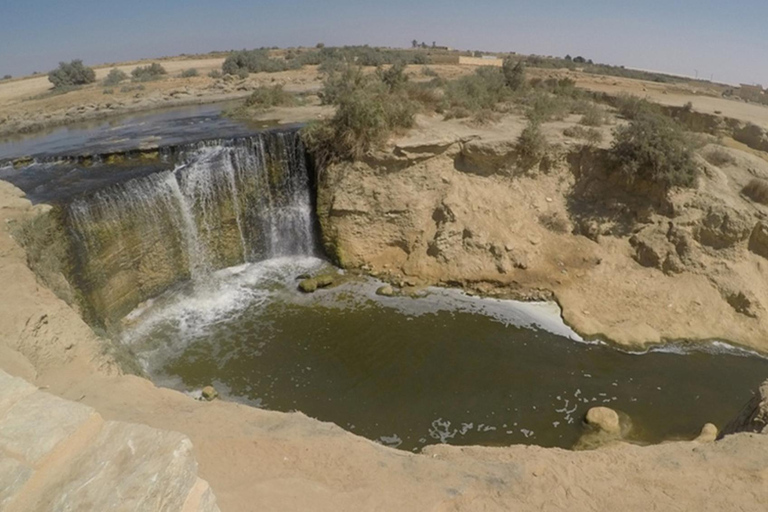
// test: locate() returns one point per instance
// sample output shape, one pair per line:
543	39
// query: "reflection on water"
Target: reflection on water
409	372
162	127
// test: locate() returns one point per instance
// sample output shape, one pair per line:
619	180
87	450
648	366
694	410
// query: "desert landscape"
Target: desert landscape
234	320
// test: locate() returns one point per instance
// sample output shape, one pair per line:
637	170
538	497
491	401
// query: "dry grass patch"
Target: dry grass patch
757	190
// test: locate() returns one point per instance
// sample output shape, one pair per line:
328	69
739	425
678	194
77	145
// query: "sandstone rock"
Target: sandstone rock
743	303
722	227
708	434
651	247
758	240
753	417
386	291
126	467
308	285
210	393
604	419
22	432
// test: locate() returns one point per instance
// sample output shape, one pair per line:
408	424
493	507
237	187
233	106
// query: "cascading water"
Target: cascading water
224	203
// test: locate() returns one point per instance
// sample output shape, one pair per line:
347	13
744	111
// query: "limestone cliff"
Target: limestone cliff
448	205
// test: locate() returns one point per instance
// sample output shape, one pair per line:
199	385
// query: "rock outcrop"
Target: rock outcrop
61	455
753	417
635	268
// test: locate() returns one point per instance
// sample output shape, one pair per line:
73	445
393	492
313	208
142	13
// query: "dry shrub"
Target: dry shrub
757	190
531	147
719	157
485	117
555	222
590	135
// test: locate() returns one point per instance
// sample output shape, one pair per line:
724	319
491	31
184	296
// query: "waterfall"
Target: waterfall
224	203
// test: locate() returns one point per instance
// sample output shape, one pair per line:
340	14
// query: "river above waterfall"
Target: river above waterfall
156	128
409	372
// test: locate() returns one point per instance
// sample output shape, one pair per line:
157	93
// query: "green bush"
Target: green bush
631	107
544	106
215	74
189	73
653	148
114	77
72	74
531	147
7	77
340	82
481	91
107	92
256	61
514	73
592	115
267	97
367	113
147	73
394	77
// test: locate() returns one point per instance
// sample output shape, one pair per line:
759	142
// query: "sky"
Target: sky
724	40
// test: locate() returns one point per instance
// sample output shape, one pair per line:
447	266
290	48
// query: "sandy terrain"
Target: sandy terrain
27	105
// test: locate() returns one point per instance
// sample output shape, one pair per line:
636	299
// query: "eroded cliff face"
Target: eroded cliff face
448	205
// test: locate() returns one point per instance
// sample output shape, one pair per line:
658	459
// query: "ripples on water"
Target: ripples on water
446	368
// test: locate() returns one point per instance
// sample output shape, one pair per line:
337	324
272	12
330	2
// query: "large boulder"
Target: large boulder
604	419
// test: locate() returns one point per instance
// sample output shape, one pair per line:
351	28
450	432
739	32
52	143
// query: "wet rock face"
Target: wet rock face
753	417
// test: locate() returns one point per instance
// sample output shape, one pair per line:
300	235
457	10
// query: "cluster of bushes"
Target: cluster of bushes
147	73
71	74
189	73
368	109
267	97
531	147
653	148
114	77
242	62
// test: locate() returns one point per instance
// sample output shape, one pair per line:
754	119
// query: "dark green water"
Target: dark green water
410	372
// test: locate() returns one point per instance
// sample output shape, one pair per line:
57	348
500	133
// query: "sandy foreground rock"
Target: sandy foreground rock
57	454
262	460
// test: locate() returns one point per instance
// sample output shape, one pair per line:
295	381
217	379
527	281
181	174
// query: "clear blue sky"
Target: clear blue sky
727	39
